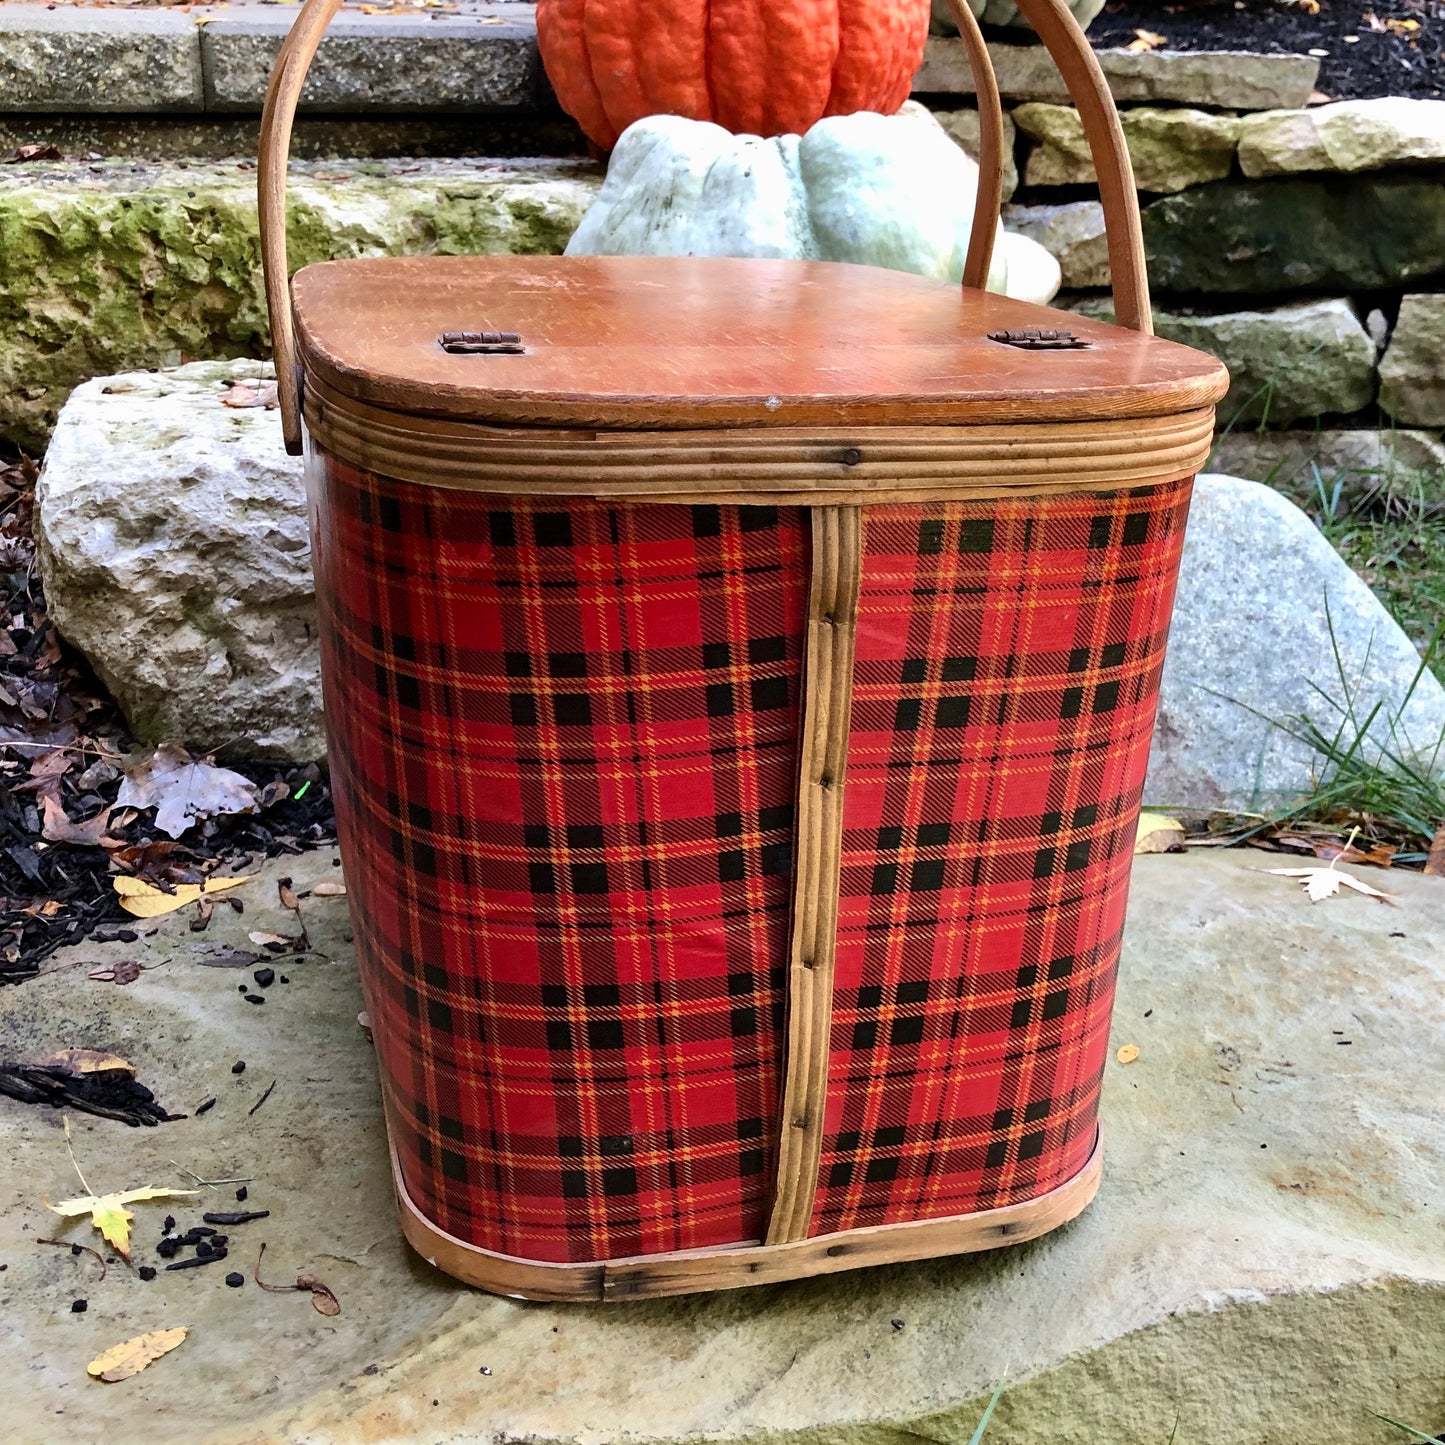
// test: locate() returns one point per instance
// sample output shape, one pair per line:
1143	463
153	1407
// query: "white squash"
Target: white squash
893	191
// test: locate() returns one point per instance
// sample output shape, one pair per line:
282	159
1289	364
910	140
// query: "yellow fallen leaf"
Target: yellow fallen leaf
108	1212
85	1061
130	1357
143	900
1157	834
1144	40
1128	1054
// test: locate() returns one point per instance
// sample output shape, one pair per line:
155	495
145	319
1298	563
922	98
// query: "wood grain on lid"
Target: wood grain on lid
672	343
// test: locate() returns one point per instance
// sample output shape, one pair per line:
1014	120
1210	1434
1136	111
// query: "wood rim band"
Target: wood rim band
748	1263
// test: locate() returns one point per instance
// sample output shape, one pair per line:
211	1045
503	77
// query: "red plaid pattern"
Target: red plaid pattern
564	753
1008	664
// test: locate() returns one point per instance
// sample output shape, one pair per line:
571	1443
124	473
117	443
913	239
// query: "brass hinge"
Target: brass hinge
1040	339
482	343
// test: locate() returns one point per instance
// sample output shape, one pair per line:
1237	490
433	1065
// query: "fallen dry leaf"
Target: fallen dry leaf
126	971
108	1212
323	1299
1435	863
130	1357
1128	1053
1145	40
245	394
1321	883
330	890
1158	834
140	899
58	828
185	791
85	1061
270	940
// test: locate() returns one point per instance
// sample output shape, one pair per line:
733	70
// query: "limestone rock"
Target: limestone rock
1362	463
1412	372
1309	358
1170	149
1350	135
1259	591
118	265
1229	79
1005	12
172	540
1214	1282
1351	234
1073	234
962	127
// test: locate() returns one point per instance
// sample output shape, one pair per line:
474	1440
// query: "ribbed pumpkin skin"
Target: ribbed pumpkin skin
755	67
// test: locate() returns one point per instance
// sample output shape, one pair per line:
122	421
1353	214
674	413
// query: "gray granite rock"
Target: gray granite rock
1263	238
1073	234
1251	1294
1362	463
1351	135
171	533
1228	79
1309	358
83	58
1171	148
1412	372
1260	594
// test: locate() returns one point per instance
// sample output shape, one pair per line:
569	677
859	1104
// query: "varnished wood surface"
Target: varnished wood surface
748	1263
684	342
988	203
837	567
809	466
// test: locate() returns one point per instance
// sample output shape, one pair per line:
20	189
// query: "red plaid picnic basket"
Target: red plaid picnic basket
740	678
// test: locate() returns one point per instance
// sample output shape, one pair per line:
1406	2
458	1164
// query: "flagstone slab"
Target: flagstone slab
1263	1262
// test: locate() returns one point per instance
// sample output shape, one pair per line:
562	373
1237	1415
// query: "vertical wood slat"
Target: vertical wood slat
826	713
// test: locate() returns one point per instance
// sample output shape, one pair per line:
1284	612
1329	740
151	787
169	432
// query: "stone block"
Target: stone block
1309	358
1412	371
122	265
1350	135
1351	234
1170	149
466	64
86	59
1230	80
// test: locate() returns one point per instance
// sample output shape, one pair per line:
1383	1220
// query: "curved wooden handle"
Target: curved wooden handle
287	77
1088	89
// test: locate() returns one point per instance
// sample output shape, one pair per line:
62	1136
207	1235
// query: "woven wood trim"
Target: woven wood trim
827	713
806	467
747	1263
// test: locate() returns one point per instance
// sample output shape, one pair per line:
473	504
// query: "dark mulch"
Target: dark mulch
61	736
1399	50
107	1093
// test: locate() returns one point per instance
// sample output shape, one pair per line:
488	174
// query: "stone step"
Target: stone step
480	58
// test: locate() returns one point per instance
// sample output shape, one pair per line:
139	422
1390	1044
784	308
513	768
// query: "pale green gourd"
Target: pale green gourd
893	191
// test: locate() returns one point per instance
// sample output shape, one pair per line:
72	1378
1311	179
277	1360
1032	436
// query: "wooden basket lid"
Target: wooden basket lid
687	342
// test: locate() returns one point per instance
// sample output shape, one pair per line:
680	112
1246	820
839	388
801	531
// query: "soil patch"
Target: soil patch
1383	47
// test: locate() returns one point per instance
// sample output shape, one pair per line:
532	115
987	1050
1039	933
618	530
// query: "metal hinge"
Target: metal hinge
1040	339
482	343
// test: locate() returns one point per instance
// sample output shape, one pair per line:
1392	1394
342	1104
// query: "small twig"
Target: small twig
274	1288
72	1247
261	1100
65	1119
212	1183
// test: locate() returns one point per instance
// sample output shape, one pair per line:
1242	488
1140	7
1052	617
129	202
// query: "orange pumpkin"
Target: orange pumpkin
756	67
